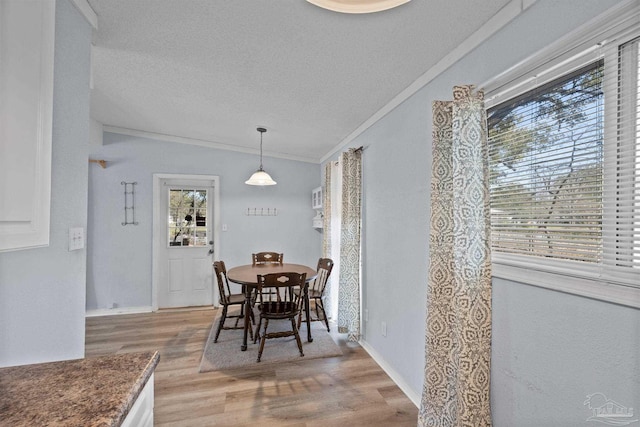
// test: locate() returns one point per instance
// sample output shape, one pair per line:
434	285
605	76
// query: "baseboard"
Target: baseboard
392	373
117	311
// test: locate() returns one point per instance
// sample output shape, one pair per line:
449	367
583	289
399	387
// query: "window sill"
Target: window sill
590	288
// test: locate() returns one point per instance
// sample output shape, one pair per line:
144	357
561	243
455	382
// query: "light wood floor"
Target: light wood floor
351	390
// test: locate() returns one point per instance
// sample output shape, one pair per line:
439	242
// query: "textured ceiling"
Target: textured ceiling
214	70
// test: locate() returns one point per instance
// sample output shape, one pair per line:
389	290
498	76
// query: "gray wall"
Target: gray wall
549	349
42	291
120	257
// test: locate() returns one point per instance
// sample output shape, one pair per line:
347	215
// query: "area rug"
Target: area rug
226	354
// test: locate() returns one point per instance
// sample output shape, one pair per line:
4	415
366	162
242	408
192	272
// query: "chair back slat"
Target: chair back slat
277	294
267	258
223	283
325	265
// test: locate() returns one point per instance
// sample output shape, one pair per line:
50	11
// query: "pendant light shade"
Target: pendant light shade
260	177
357	6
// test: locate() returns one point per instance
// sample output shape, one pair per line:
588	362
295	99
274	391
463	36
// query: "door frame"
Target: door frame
159	228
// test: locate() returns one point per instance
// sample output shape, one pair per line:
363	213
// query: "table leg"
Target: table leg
247	317
306	311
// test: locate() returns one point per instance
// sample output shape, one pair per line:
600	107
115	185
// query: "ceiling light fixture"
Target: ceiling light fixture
260	177
357	6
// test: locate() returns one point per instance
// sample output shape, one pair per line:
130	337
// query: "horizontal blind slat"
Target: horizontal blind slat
545	170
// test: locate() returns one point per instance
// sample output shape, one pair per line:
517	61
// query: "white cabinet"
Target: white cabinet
26	106
316	203
141	413
316	198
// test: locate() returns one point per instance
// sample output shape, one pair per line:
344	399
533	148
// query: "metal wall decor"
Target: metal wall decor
262	212
129	203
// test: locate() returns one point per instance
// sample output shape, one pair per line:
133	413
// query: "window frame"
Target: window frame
598	39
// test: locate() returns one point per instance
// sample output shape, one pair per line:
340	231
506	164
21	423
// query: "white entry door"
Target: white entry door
186	246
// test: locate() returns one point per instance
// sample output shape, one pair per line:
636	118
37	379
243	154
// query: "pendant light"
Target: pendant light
357	6
260	177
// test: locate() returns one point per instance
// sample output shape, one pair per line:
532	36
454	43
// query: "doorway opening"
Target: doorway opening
186	211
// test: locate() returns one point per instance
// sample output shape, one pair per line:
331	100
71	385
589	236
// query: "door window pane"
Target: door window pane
187	222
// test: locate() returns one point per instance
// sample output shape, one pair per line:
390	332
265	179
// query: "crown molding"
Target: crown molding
204	143
87	11
489	28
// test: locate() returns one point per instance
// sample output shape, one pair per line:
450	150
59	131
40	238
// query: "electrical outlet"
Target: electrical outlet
384	329
366	315
76	238
224	227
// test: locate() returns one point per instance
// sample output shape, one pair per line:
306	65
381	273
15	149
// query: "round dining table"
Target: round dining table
247	275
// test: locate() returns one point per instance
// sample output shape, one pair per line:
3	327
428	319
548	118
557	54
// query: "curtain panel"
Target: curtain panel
326	236
458	325
326	212
349	281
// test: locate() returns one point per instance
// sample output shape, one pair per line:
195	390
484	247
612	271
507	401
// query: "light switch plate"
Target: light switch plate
76	238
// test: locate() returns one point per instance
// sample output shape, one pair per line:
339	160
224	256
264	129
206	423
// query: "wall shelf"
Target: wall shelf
102	163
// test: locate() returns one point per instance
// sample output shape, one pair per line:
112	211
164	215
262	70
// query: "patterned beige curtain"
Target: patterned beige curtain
458	329
349	282
326	235
326	212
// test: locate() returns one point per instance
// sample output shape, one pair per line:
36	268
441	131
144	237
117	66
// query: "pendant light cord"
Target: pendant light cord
261	150
262	131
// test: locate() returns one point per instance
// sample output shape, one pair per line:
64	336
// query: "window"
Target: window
623	239
187	224
564	159
546	169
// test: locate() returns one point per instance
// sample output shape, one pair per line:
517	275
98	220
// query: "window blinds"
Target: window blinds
622	196
565	171
546	156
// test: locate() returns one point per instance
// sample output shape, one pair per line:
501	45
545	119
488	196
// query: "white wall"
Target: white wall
42	291
549	349
120	257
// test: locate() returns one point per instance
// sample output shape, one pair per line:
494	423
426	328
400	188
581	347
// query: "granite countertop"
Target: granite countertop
97	391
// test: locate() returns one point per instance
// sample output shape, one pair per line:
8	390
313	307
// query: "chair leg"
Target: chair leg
295	331
264	338
315	304
257	335
221	323
300	318
240	317
326	321
251	316
250	331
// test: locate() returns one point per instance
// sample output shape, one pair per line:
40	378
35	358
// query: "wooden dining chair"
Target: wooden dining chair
267	258
279	299
261	258
316	291
228	299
